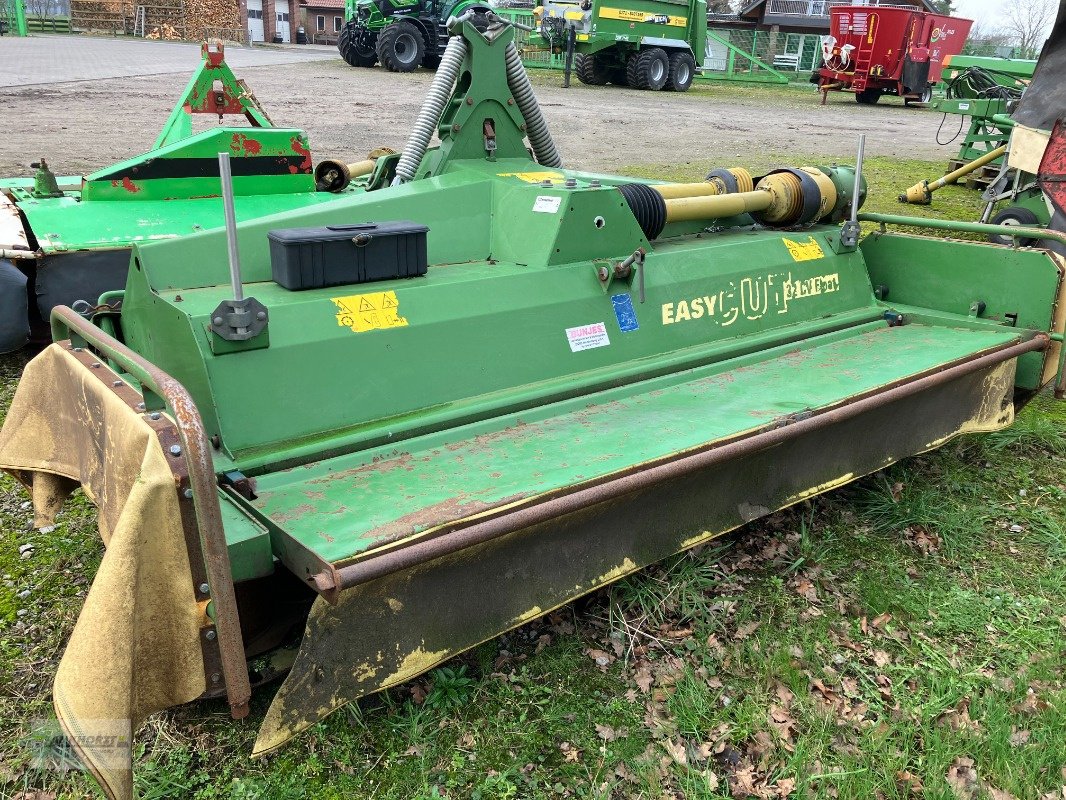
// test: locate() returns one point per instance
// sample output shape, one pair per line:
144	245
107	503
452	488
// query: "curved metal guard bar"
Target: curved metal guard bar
166	392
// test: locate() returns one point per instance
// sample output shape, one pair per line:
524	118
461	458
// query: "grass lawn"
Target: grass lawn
904	637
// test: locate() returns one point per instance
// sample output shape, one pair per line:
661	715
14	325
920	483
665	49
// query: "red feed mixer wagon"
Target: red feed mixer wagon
876	50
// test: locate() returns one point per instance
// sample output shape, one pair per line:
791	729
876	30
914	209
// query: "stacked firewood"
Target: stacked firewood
201	14
164	31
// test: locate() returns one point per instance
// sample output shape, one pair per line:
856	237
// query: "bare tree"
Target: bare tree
984	39
1028	22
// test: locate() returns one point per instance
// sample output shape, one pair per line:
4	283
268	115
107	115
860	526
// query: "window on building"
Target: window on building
320	23
336	24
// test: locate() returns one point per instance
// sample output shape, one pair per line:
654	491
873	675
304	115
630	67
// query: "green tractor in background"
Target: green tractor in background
401	35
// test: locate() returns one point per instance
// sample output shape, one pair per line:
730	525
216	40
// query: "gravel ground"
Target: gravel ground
83	125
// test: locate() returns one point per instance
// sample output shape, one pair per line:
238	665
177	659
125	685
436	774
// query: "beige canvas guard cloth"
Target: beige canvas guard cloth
135	649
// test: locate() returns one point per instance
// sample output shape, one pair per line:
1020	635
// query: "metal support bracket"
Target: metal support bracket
239	320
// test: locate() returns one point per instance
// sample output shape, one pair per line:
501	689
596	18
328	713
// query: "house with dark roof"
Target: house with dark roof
322	20
788	33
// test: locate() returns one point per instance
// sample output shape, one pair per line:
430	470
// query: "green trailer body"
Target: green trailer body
69	237
644	44
1003	70
593	374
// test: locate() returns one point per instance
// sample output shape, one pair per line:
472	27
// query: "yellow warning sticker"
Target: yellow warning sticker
369	312
573	15
630	15
532	177
804	251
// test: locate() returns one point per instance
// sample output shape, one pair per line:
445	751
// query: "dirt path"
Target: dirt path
84	125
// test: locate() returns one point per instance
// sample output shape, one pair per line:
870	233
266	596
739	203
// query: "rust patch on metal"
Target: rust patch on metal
452	510
302	510
299	149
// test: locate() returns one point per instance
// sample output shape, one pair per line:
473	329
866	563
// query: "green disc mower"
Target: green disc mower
388	428
65	240
402	35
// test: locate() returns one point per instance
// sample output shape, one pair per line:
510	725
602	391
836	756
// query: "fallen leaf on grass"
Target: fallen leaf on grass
466	741
908	784
570	753
963	780
746	630
606	732
784	694
998	794
881	658
602	658
782	722
829	697
677	751
806	589
1031	704
880	621
958	718
924	539
1019	738
642	677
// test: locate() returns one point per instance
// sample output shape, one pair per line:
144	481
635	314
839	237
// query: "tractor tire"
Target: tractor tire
682	72
356	45
1014	215
648	69
590	70
401	47
867	97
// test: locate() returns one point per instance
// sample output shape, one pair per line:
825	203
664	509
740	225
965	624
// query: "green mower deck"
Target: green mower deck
591	374
70	236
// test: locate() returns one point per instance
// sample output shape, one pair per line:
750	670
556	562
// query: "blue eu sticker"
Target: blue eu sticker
623	310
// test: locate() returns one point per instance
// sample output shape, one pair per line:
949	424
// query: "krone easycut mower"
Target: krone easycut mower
408	420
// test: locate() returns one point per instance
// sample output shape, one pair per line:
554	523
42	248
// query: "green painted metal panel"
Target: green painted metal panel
247	540
64	223
266	161
1003	70
345	506
473	303
952	275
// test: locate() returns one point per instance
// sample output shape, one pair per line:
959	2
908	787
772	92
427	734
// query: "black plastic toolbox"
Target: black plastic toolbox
312	258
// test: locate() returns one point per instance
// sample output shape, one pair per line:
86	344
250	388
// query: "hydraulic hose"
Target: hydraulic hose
440	91
536	128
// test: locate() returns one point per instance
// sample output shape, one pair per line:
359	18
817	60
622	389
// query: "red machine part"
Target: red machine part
875	50
1052	175
220	99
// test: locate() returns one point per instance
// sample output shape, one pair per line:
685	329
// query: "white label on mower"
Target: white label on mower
586	337
547	204
964	106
